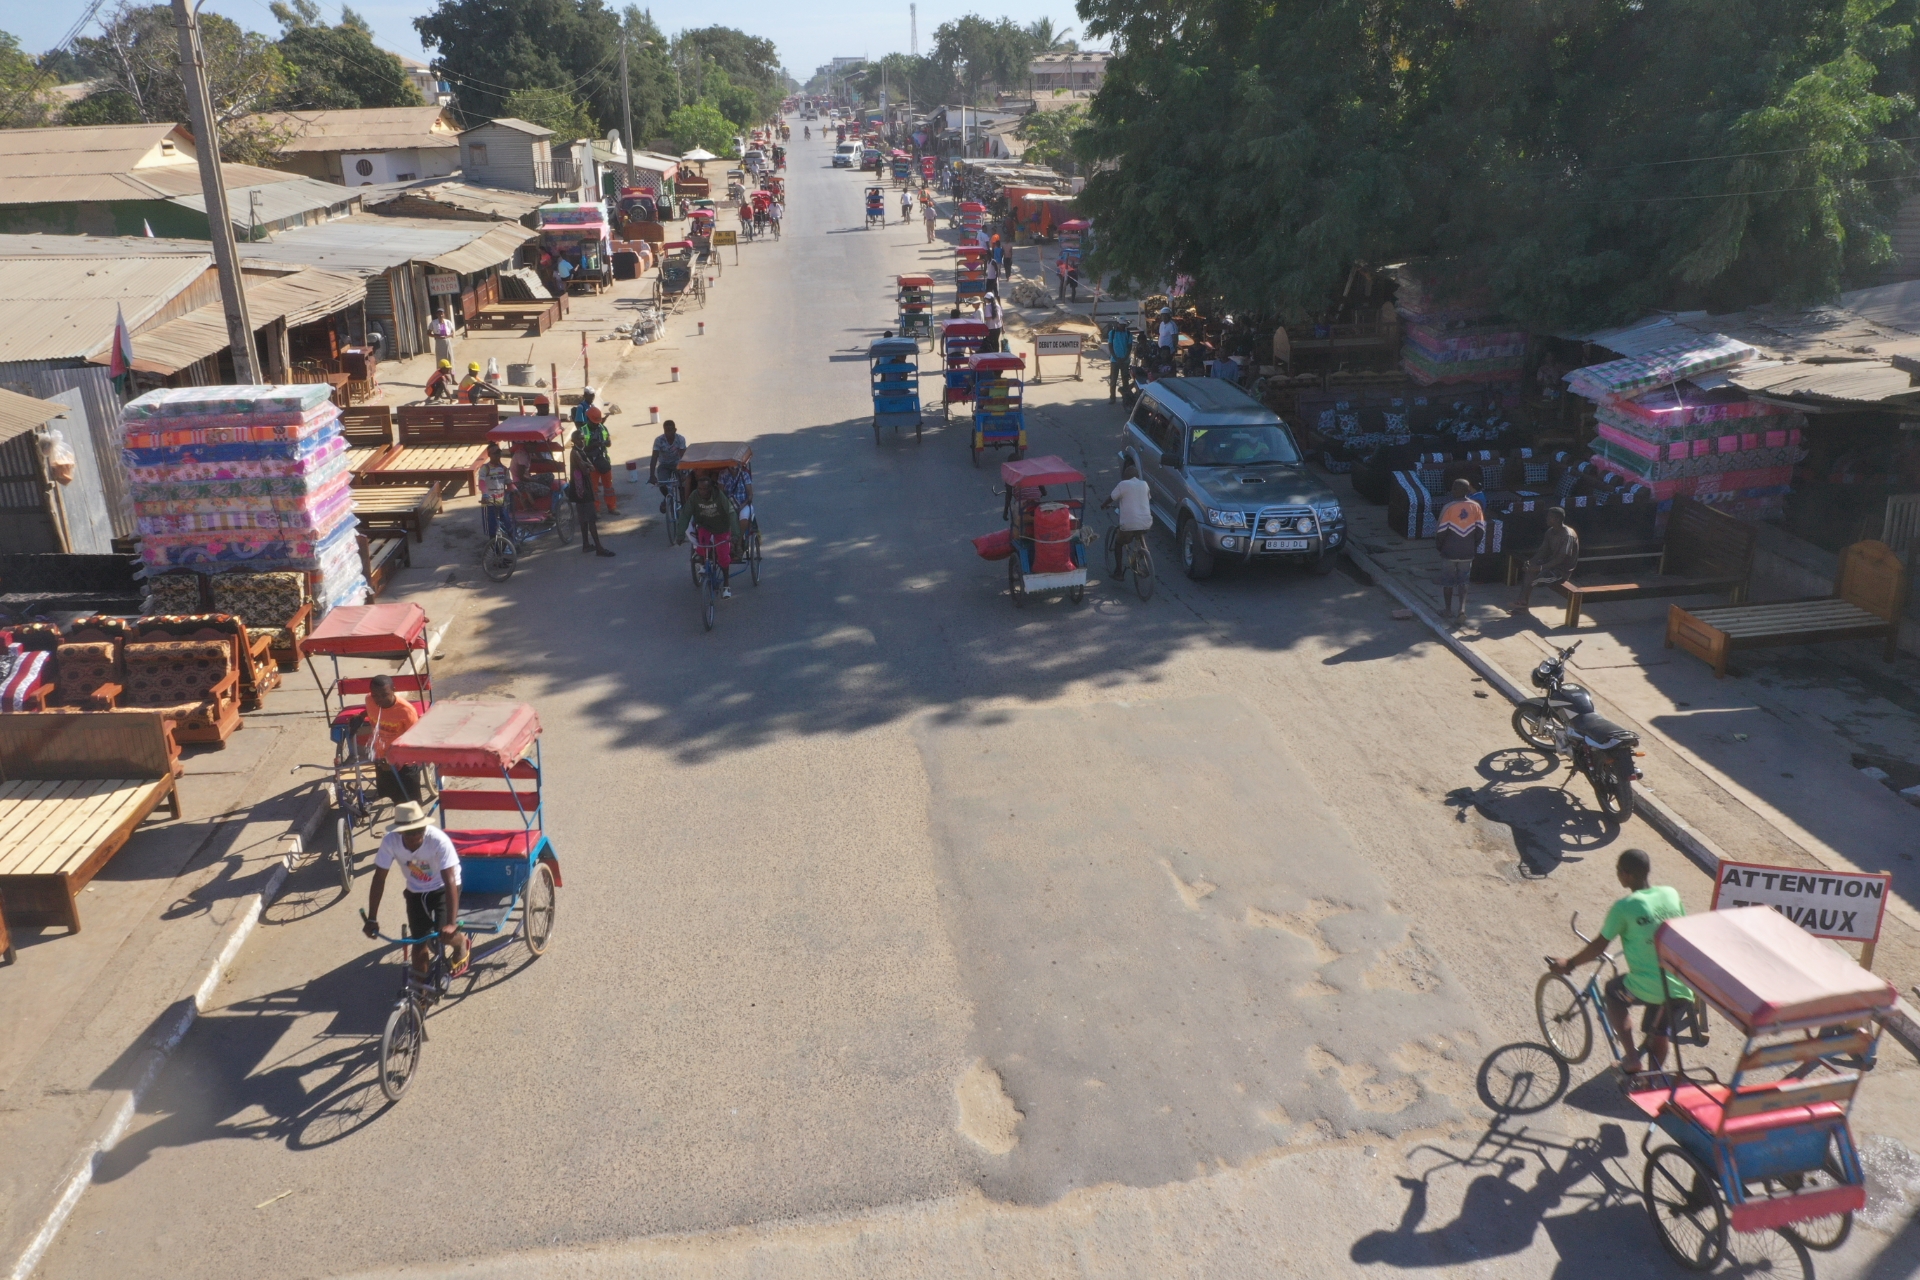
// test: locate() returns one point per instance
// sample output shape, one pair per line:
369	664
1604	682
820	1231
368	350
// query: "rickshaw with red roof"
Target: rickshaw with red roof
509	871
960	341
1045	504
999	403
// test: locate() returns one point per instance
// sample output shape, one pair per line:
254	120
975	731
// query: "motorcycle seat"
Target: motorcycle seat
1600	731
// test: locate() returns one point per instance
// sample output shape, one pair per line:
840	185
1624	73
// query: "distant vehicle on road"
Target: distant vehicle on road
1227	478
843	155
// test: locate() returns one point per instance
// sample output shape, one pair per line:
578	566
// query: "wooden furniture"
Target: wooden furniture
249	652
191	683
274	606
1706	552
368	425
531	318
72	790
440	424
408	507
1869	593
455	465
381	558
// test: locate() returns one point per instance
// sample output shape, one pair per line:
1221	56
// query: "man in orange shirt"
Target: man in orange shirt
389	716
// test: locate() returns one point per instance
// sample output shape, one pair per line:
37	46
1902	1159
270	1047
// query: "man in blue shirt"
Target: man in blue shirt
1120	352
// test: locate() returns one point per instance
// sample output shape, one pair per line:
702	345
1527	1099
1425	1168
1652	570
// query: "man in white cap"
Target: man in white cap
432	867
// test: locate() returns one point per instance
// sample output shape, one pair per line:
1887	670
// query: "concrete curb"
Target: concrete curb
1903	1023
125	1103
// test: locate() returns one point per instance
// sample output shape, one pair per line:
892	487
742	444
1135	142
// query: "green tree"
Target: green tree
336	67
980	54
488	49
554	110
699	124
23	87
721	61
650	73
1051	136
110	106
137	53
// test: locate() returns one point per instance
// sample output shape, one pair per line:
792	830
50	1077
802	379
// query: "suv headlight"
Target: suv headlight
1328	512
1227	519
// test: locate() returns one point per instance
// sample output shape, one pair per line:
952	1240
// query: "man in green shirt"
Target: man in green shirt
1634	920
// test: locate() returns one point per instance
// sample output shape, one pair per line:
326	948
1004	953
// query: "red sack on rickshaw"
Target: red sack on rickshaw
1053	538
997	545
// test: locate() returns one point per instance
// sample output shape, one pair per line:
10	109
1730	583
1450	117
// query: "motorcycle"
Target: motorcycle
1562	721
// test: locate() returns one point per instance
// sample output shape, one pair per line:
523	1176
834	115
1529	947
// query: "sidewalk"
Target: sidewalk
1766	764
85	1011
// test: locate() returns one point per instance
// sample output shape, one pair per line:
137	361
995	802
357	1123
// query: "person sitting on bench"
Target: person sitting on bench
1554	562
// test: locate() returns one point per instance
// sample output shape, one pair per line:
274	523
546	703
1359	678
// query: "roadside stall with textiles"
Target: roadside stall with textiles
1665	421
244	477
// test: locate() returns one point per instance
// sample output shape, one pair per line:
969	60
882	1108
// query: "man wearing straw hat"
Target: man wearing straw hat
432	868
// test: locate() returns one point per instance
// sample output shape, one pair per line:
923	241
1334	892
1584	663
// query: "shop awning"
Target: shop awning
490	250
1837	387
20	414
299	298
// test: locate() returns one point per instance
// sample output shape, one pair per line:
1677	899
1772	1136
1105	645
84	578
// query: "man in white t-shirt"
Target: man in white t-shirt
432	868
1134	499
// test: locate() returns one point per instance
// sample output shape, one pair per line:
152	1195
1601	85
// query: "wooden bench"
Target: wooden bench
381	558
1706	552
367	425
457	465
1869	593
409	507
440	424
72	790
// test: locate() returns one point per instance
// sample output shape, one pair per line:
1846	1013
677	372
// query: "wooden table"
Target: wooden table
397	506
457	465
55	837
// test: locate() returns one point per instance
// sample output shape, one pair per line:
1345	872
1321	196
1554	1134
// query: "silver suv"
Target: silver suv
1227	478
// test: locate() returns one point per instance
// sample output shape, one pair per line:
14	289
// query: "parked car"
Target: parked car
843	155
1227	478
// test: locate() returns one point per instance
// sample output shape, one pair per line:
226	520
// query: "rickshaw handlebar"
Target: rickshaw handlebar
403	942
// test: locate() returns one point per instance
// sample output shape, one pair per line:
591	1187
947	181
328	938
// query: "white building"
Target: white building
1079	71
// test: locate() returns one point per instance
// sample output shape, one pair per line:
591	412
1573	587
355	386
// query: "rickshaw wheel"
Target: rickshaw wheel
1683	1199
1077	594
1016	585
699	578
1827	1233
876	431
343	849
1563	1018
977	451
498	557
753	556
536	914
400	1050
563	523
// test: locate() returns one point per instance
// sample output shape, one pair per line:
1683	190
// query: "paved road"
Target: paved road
907	934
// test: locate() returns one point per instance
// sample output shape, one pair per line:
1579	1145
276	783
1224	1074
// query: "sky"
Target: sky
805	36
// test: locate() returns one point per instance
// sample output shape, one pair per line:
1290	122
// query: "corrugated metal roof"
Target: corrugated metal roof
367	245
63	308
20	414
301	298
468	197
46	244
1860	382
277	201
617	158
99	148
510	122
490	250
157	182
362	129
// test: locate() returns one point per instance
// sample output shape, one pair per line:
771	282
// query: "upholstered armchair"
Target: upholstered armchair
274	605
191	683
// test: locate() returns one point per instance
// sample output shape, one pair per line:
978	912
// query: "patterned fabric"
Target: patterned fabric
173	593
81	670
264	601
22	672
175	677
99	626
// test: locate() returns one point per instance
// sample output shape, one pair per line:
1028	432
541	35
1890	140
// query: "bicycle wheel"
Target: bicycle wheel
400	1049
498	559
536	914
673	516
343	850
1563	1017
699	570
713	595
1142	571
753	556
563	523
1683	1199
1828	1232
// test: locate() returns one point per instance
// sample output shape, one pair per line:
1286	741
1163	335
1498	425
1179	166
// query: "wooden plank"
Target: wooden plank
64	843
30	816
1805	1050
16	795
85	838
1797	1094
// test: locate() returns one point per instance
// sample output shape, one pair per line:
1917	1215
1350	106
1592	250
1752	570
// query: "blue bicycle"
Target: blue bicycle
1567	1012
406	1028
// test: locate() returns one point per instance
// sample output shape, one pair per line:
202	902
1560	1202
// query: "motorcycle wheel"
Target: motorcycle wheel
1613	788
1534	725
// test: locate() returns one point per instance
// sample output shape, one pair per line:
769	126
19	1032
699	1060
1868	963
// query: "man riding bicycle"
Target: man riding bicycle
716	526
431	866
1634	920
1134	501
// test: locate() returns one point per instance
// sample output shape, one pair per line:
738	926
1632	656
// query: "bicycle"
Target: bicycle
353	792
1566	1012
406	1029
709	578
502	552
670	494
1138	562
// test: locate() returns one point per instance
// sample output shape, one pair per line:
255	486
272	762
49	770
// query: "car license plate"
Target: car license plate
1286	544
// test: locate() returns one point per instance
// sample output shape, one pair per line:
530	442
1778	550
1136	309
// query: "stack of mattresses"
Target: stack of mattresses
244	477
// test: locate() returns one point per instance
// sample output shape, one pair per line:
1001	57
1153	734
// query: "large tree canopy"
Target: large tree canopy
1581	159
489	48
737	73
136	60
336	67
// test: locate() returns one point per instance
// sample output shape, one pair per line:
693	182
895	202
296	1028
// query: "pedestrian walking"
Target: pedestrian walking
990	312
580	494
928	216
592	424
1458	535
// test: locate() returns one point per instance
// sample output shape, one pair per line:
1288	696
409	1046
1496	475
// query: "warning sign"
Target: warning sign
1827	904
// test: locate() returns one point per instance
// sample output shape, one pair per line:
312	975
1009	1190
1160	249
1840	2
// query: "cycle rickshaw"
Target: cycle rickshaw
537	505
893	369
915	292
679	277
876	207
1770	1147
731	464
960	341
1044	528
395	637
969	275
999	413
508	872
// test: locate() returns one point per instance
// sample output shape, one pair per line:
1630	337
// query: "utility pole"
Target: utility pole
226	258
913	26
626	102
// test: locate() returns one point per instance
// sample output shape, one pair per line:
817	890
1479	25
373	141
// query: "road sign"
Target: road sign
1827	904
1057	345
724	238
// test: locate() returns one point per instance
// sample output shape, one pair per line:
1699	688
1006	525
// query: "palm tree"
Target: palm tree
1046	39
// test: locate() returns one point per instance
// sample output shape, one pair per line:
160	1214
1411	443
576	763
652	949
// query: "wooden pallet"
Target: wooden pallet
409	507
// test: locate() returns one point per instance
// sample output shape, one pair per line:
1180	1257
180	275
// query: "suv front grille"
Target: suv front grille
1285	518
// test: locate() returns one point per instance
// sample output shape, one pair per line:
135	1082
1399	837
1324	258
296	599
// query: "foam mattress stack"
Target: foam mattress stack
1656	429
1456	342
244	477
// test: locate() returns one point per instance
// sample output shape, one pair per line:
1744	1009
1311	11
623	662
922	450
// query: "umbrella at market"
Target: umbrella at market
699	154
